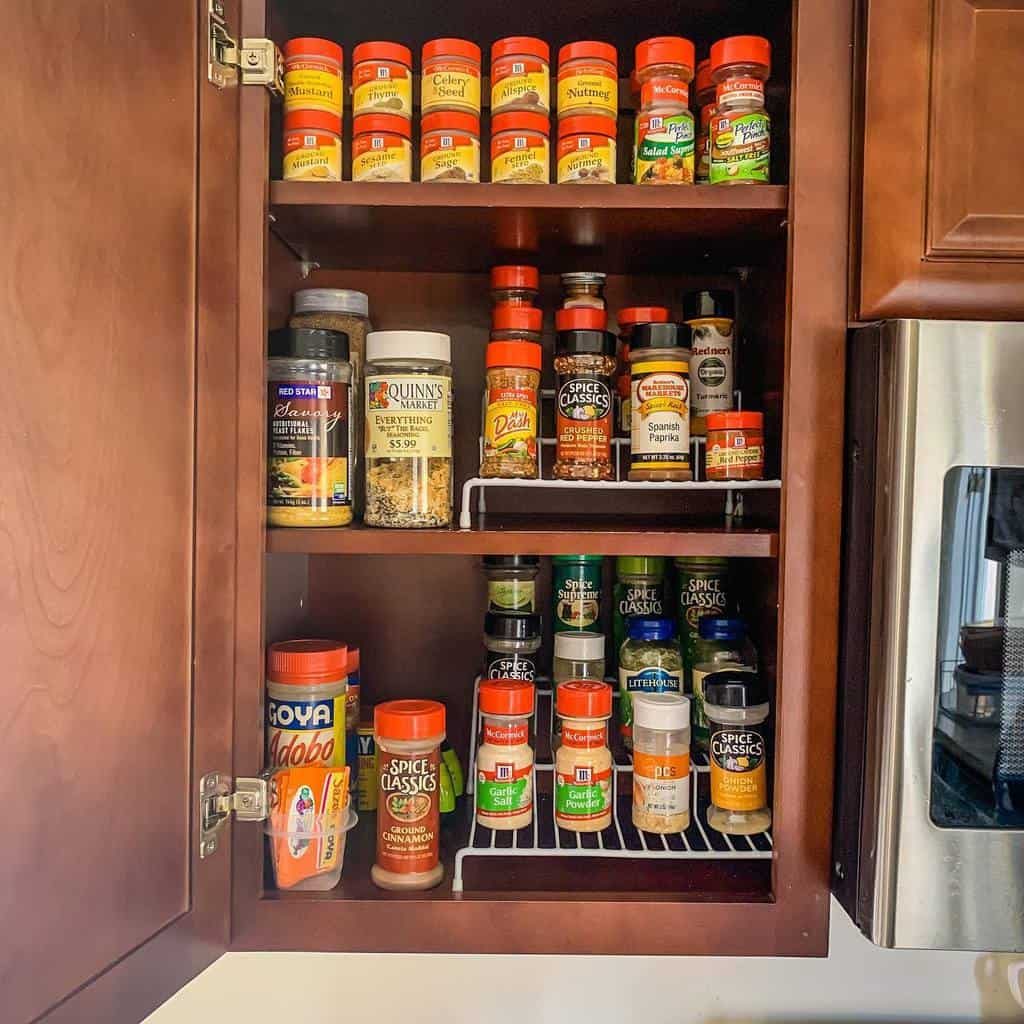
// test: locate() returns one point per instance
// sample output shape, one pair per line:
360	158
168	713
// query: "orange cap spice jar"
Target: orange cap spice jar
628	319
520	75
740	127
382	79
312	75
664	69
408	735
583	764
450	147
306	690
588	80
312	146
735	446
504	760
664	140
381	148
451	76
586	151
510	406
520	153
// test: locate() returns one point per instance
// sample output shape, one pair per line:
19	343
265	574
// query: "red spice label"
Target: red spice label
664	92
506	66
584	419
378	71
741	88
375	142
585	739
506	734
736	454
445	140
408	815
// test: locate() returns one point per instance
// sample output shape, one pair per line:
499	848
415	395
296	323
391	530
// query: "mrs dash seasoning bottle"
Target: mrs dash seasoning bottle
576	592
408	736
709	315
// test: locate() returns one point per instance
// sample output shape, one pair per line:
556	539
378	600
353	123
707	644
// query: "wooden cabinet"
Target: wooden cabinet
143	584
942	211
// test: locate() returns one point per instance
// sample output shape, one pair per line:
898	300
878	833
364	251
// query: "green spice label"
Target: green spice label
740	147
577	595
665	149
504	792
511	595
583	793
644	680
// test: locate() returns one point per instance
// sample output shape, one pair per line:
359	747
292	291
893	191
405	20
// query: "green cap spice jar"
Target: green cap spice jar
576	592
639	590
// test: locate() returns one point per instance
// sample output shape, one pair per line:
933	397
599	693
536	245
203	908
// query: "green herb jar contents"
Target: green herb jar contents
511	582
576	592
639	590
649	662
723	643
703	588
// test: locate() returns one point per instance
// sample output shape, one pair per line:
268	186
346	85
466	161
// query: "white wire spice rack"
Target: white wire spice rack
621	840
732	489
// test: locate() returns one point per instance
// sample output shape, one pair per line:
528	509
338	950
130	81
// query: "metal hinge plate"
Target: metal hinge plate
219	797
255	62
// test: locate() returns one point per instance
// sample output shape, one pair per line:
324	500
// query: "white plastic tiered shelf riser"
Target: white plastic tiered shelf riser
731	489
621	840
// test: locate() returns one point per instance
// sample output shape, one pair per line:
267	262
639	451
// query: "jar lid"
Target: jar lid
588	48
661	711
514	45
701	562
646	627
708	303
450	121
508	317
735	421
515	276
526	355
306	662
711	627
394	123
409	719
666	50
511	561
307	343
734	688
578	559
640	565
451	48
408	345
512	625
353	659
587	124
660	336
642	315
704	83
580	277
581	646
331	300
312	46
581	318
741	50
521	121
506	697
317	119
383	51
583	698
576	342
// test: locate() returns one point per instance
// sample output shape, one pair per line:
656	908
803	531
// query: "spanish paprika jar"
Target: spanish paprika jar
408	735
510	410
312	75
735	446
382	79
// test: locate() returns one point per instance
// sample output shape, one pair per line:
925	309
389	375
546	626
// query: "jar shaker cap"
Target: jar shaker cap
527	355
312	46
713	627
307	343
506	697
508	317
666	50
582	343
306	662
511	561
645	627
581	318
660	336
735	688
588	49
515	276
741	50
708	303
735	421
514	45
331	300
409	719
579	646
451	48
383	51
642	315
408	345
661	711
583	698
512	625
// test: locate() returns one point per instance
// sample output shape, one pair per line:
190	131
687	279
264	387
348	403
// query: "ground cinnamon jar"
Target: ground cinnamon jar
510	410
735	446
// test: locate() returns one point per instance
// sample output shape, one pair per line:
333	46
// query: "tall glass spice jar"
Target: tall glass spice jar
504	759
576	589
649	662
382	79
512	640
510	407
628	318
583	762
511	582
639	590
740	127
309	428
520	75
705	99
709	315
588	80
408	396
583	288
451	76
664	144
661	762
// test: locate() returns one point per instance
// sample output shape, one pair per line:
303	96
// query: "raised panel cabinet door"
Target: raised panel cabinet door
942	203
116	563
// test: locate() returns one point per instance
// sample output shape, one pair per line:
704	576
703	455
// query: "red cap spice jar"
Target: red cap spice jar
628	318
588	80
504	760
451	76
450	147
312	146
664	68
735	446
664	142
514	285
520	153
520	75
586	151
382	79
583	763
381	148
408	734
740	127
312	75
510	404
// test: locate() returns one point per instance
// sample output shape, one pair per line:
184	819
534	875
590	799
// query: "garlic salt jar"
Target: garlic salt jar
381	148
450	147
451	76
520	75
504	759
588	80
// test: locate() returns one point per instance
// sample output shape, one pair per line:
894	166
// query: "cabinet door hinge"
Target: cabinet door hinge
219	797
255	62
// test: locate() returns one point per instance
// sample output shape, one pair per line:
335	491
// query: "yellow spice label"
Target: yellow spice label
450	84
587	89
312	158
308	86
596	163
530	88
408	416
450	158
383	96
525	166
391	162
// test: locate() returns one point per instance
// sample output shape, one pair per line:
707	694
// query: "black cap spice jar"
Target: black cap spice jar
512	640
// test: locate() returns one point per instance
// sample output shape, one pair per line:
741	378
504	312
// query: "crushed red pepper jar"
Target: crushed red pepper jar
735	446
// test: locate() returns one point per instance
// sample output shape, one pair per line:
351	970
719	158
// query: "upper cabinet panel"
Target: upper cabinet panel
942	208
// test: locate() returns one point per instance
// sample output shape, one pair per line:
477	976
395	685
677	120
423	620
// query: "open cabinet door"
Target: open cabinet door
118	311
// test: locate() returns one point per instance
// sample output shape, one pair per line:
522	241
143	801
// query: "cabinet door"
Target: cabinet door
943	210
117	563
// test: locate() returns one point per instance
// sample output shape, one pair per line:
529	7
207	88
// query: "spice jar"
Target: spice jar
382	79
578	656
504	760
736	704
520	152
576	590
336	309
353	711
312	146
408	736
381	148
520	75
312	75
451	76
408	397
588	80
586	151
511	582
649	662
723	643
628	319
450	147
306	694
659	370
665	65
583	288
664	141
583	762
740	127
639	591
510	406
584	363
512	640
705	97
735	446
516	323
514	285
702	584
309	428
709	316
661	762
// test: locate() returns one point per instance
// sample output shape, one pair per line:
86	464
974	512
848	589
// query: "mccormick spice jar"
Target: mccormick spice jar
504	760
450	147
703	588
664	143
576	590
510	406
451	76
309	428
661	762
705	111
735	446
664	70
588	81
520	75
520	153
312	76
381	148
586	150
408	735
512	640
628	319
312	146
583	763
382	79
740	127
584	363
514	285
306	696
511	582
709	316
